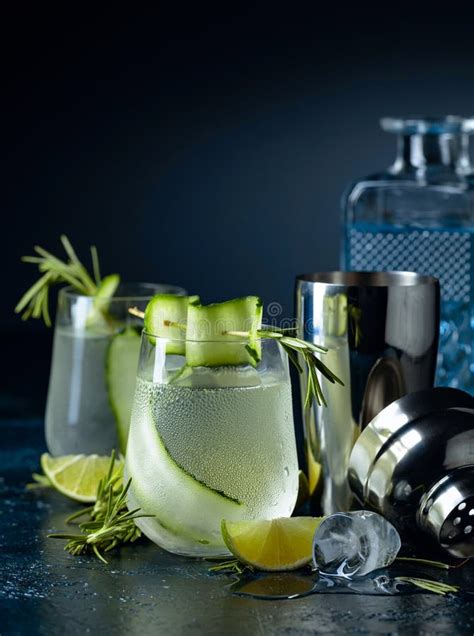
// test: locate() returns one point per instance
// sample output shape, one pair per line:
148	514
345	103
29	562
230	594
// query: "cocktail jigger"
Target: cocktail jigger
414	464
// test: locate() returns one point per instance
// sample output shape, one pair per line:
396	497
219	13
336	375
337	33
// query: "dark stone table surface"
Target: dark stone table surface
145	590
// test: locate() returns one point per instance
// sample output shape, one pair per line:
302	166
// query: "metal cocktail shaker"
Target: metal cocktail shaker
414	464
381	332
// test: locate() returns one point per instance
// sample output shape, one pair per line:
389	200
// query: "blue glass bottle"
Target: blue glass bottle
419	216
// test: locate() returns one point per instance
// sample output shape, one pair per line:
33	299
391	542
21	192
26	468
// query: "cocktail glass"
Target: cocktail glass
209	443
92	380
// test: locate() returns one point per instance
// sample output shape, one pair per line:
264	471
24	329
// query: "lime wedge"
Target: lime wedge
279	544
121	370
77	476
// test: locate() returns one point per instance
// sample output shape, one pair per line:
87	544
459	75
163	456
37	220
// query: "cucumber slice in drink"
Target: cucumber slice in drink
208	325
121	371
98	314
185	508
164	308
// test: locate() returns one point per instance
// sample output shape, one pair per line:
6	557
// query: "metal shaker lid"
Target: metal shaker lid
414	464
446	511
393	420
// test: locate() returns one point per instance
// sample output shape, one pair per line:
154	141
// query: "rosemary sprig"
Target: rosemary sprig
231	566
39	481
427	562
308	351
110	523
35	301
436	587
292	347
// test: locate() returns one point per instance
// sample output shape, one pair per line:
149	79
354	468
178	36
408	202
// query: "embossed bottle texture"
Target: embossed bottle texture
419	216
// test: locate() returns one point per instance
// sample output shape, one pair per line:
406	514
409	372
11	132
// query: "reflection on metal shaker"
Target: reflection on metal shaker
381	332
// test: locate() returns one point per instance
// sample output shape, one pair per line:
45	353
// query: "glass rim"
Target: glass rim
233	340
368	279
154	288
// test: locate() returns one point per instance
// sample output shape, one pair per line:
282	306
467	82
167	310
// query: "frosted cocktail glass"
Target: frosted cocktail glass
209	443
93	369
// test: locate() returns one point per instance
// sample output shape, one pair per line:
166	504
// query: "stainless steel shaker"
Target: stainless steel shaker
381	332
414	464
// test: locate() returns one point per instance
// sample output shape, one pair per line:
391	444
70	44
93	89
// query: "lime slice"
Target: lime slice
121	370
77	476
279	544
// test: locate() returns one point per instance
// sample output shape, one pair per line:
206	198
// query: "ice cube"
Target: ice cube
356	543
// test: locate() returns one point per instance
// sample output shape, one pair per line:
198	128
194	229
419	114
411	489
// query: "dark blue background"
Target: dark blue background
206	147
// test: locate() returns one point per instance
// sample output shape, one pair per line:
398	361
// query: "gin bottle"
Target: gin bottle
419	216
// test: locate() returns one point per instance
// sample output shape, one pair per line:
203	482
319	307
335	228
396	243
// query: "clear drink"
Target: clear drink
217	444
78	412
93	370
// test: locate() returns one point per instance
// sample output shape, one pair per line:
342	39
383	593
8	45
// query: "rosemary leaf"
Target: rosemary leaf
95	264
295	343
293	357
109	524
80	513
35	301
316	348
310	389
31	293
427	562
98	554
45	307
39	481
436	587
87	279
231	566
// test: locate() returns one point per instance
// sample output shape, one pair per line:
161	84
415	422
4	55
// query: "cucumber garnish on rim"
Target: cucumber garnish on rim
98	314
162	310
230	334
208	342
